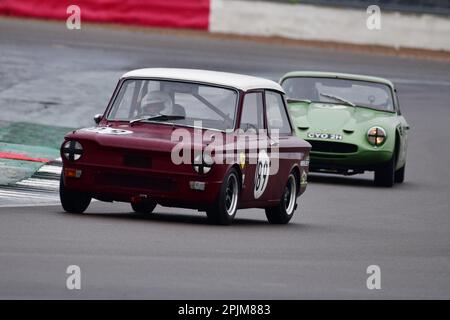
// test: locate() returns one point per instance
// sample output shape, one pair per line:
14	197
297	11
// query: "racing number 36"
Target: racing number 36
261	173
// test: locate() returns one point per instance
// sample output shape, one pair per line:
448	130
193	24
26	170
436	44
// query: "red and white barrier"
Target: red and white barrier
193	14
260	18
344	25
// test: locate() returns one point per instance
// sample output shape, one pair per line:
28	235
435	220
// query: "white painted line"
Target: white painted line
42	204
39	182
50	169
20	195
37	204
39	186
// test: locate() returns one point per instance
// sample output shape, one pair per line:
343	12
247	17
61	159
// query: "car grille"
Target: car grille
332	147
134	181
137	161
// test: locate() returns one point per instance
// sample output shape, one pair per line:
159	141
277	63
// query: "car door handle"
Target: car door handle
273	143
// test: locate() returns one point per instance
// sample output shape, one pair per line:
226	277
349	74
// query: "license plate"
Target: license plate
329	136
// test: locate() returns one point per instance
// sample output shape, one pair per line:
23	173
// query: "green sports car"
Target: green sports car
353	123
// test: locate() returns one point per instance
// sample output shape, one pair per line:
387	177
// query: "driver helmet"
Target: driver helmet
156	102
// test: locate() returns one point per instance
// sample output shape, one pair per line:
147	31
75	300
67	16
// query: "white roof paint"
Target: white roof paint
234	80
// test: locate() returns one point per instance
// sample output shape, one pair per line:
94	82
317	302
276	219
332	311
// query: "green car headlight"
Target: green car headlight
376	136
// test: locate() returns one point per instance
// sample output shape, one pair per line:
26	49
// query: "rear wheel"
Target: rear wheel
225	207
144	207
400	175
73	201
283	212
385	174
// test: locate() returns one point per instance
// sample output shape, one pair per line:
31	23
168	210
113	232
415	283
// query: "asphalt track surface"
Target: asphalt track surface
49	74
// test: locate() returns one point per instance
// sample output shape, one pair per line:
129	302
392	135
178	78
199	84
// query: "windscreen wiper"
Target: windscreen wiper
338	98
158	117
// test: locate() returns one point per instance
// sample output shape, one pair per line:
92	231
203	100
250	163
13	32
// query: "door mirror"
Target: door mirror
98	118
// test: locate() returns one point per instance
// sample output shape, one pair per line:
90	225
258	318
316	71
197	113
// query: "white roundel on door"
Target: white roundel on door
261	173
107	130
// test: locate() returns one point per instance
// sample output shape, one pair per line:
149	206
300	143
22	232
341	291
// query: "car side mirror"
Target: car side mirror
98	118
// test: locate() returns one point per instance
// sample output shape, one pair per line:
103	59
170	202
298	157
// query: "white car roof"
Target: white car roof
238	81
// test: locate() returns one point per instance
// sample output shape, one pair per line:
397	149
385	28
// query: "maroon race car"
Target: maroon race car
197	139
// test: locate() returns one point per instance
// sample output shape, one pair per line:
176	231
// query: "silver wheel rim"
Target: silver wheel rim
231	195
290	195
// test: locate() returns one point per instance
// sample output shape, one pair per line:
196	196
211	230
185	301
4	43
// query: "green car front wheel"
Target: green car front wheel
400	175
385	174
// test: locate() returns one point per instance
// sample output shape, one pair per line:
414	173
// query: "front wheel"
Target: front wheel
224	209
73	201
283	212
400	175
385	174
144	207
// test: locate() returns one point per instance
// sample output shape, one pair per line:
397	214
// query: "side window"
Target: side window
277	117
252	112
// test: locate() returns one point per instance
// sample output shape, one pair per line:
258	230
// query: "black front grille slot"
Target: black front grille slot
134	181
137	161
332	147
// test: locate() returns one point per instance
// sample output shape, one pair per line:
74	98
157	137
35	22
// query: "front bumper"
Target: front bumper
124	184
360	161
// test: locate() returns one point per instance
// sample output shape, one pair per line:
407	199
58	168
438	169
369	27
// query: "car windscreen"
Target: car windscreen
330	90
175	102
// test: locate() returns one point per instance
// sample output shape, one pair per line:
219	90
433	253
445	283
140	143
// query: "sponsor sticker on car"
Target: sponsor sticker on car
106	130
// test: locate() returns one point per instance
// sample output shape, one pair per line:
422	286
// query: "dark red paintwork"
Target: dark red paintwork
123	167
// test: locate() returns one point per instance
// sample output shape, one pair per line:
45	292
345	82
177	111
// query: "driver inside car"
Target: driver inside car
156	103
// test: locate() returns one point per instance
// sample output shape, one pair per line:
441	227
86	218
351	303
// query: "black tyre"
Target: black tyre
283	212
225	207
400	175
144	207
385	174
73	201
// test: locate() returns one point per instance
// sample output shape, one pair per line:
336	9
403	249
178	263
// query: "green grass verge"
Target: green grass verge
33	134
35	140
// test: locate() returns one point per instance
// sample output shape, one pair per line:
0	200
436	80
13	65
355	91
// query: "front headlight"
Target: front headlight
72	150
376	136
203	164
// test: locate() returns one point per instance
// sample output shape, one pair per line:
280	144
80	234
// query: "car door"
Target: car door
282	144
251	124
